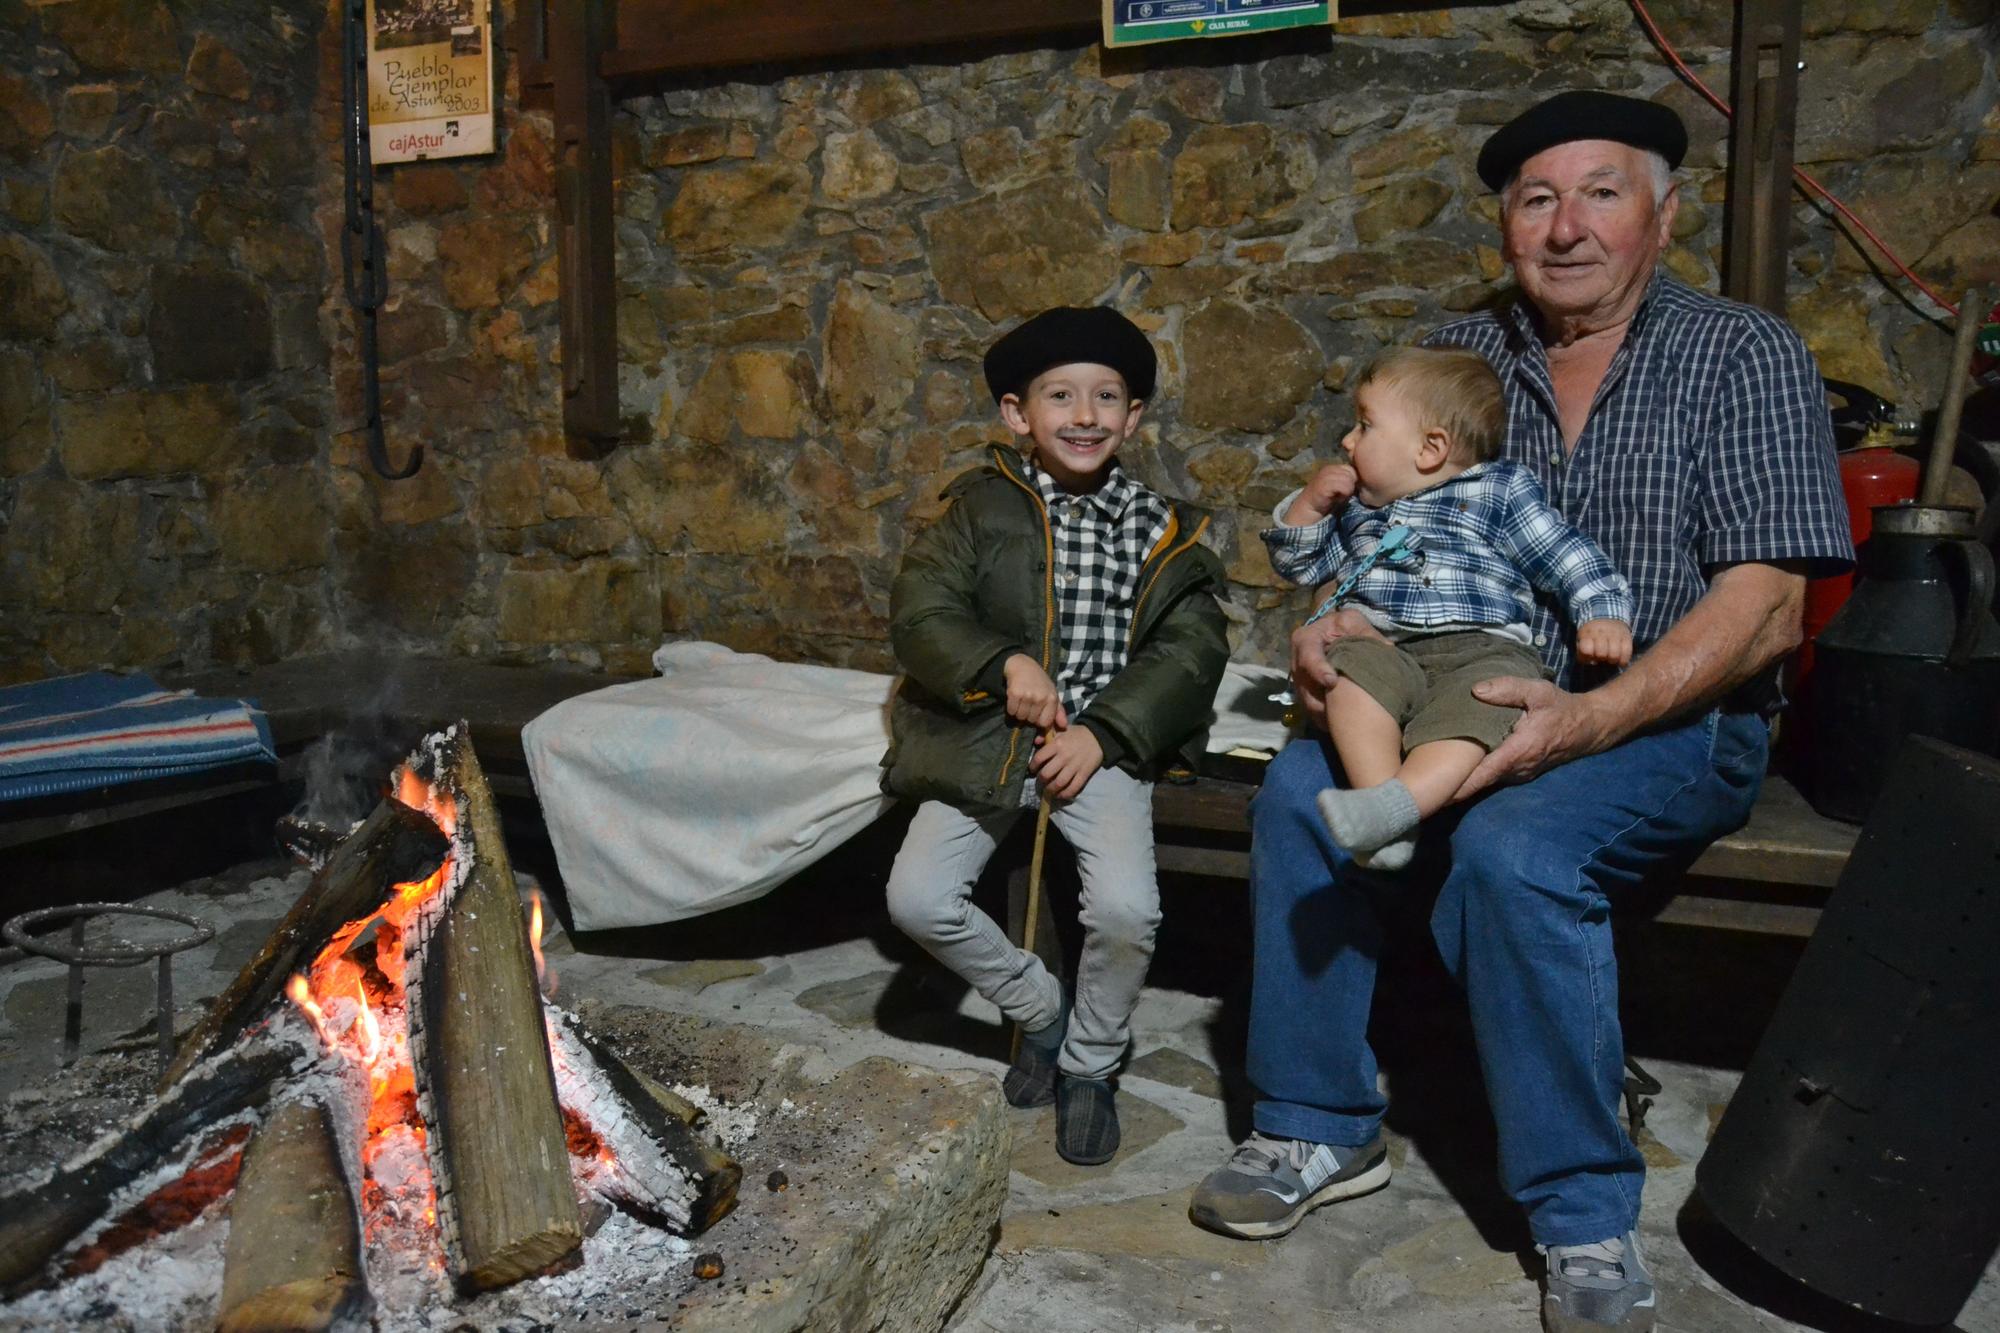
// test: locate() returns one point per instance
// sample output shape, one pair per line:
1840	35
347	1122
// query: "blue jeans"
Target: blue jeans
1523	923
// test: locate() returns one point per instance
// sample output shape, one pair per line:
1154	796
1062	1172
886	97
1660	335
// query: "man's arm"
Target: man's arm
1748	619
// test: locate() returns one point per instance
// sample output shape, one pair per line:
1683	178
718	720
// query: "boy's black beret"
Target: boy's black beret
1065	334
1583	114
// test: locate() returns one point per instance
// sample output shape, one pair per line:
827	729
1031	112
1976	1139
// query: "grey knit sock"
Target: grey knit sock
1372	817
1390	855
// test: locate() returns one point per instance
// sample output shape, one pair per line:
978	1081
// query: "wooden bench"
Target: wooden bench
1768	877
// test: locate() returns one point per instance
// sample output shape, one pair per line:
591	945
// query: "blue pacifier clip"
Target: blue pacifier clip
1397	543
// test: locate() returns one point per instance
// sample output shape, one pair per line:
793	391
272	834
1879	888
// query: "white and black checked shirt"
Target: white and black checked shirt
1709	445
1483	541
1101	540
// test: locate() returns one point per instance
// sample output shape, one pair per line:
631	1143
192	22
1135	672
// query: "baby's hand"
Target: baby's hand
1330	488
1031	696
1604	642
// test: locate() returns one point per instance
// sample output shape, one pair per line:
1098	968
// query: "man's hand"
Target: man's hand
1604	642
1066	760
1031	696
1330	488
1312	675
1557	727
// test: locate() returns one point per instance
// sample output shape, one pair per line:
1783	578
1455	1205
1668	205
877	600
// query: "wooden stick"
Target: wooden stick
393	845
36	1223
480	1049
1034	895
1972	309
293	1259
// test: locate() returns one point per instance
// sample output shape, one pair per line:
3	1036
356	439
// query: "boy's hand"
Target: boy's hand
1031	696
1604	642
1066	760
1330	488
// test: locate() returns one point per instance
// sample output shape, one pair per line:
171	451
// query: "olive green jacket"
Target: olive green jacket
977	586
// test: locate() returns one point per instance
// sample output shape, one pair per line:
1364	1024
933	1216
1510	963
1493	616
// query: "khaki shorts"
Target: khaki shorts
1426	682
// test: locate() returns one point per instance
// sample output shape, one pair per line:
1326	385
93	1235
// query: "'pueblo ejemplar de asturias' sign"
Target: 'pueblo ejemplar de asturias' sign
1130	22
430	79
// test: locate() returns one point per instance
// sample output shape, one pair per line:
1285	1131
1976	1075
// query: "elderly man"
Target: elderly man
1689	436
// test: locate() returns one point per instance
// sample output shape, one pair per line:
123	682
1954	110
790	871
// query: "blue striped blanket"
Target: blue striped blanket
76	733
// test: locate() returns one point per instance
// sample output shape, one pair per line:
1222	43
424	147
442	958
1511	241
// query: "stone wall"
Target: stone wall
163	382
809	266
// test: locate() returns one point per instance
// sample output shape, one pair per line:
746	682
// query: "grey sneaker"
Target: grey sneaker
1269	1184
1597	1286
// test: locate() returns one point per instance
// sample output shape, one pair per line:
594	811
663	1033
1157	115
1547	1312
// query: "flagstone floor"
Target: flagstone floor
817	964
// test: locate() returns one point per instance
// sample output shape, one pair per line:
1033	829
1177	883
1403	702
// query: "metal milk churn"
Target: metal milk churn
1915	651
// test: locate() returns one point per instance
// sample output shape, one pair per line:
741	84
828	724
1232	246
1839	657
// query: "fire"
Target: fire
544	974
355	997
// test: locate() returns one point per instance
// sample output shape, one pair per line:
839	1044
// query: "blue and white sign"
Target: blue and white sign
1128	22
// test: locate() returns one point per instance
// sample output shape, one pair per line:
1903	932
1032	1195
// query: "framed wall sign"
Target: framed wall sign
1131	22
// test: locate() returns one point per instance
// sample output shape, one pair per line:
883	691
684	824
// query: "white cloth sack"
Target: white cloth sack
706	786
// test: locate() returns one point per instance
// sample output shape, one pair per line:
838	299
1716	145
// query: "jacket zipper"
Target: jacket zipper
1138	604
1048	605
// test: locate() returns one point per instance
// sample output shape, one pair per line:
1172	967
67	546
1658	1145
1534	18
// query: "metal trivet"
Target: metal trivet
115	954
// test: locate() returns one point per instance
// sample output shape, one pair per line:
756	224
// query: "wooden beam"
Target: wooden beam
1764	77
578	34
678	36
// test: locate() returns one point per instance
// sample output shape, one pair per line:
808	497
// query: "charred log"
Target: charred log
293	1261
393	845
36	1223
212	1175
662	1166
479	1045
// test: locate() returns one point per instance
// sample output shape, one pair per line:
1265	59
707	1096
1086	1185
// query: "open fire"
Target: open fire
439	1099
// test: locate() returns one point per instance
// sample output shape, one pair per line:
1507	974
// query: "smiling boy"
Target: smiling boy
1439	544
1061	640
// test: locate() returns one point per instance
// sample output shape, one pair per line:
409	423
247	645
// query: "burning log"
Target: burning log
393	845
660	1165
36	1223
485	1083
293	1260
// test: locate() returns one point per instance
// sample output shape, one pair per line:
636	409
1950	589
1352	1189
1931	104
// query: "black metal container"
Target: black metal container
1915	651
1859	1154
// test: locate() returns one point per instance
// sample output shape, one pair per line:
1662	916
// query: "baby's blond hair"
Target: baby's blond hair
1451	389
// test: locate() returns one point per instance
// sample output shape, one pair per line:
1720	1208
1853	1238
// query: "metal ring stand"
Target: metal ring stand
115	954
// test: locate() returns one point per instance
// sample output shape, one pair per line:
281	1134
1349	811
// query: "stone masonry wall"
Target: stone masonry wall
163	381
810	263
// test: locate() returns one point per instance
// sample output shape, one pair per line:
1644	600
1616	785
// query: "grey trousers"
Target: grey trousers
1110	827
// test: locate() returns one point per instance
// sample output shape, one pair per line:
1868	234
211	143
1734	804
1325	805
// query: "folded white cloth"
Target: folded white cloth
729	773
707	786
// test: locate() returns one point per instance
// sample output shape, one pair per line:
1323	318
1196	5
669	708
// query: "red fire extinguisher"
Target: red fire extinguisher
1872	472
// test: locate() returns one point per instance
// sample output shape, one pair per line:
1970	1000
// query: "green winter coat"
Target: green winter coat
978	586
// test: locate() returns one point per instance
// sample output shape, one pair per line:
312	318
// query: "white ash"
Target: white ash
731	1124
168	1285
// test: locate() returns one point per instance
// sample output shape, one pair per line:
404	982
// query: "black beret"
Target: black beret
1097	334
1583	114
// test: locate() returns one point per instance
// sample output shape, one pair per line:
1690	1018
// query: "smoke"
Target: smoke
347	772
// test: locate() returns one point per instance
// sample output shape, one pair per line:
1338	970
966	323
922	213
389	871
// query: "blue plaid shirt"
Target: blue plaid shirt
1483	541
1708	445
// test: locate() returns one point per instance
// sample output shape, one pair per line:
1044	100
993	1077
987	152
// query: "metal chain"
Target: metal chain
361	259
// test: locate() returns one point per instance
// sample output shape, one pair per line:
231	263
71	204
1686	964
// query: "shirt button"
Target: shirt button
1541	641
1066	579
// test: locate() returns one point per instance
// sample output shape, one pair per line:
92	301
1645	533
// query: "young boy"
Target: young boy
1060	638
1437	542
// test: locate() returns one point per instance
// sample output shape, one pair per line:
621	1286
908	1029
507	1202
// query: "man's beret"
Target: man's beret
1583	114
1065	334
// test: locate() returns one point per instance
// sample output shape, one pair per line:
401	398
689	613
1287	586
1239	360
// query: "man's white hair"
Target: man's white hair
1662	177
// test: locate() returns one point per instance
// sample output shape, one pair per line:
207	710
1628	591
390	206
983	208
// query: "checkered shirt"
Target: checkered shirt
1708	445
1484	540
1101	541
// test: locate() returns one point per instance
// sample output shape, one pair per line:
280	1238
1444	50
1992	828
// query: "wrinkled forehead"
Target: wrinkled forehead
1567	165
